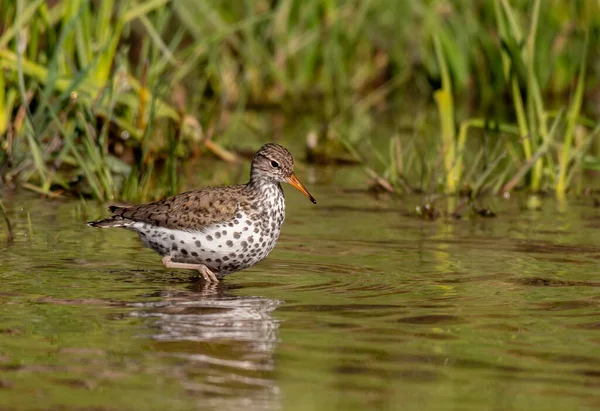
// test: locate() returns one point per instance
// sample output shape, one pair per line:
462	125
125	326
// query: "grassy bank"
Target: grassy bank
108	99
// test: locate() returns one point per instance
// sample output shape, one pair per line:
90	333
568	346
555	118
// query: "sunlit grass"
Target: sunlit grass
106	99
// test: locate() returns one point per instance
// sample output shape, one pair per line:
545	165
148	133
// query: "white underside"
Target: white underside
217	246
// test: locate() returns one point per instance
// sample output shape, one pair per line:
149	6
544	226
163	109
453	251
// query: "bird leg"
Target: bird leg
204	271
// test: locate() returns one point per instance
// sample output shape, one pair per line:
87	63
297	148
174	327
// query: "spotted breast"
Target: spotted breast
228	246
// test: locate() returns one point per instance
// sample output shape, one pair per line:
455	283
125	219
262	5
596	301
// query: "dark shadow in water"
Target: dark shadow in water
551	282
548	247
226	343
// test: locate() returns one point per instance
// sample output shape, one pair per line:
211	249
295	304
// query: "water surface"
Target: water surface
358	307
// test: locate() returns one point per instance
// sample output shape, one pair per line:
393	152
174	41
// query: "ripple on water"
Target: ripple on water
433	319
365	309
552	282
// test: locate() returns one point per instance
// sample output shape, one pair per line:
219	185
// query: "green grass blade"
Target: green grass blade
572	117
445	104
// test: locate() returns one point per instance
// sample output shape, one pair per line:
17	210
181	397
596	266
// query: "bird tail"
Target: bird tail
115	221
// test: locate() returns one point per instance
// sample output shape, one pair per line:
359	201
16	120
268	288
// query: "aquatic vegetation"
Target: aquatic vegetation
106	99
534	147
9	231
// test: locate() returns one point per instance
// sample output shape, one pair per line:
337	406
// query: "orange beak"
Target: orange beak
293	180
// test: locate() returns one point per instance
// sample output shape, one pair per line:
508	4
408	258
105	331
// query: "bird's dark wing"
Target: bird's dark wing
193	210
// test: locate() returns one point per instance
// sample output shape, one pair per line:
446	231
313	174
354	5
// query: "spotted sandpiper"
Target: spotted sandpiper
216	230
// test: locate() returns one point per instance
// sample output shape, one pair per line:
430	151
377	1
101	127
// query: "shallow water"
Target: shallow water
359	307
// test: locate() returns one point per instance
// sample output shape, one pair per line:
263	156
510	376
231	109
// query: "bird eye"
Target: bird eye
274	164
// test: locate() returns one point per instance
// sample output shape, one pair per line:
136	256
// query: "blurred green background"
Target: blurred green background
109	99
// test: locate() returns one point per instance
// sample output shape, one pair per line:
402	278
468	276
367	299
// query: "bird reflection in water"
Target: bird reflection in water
226	343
